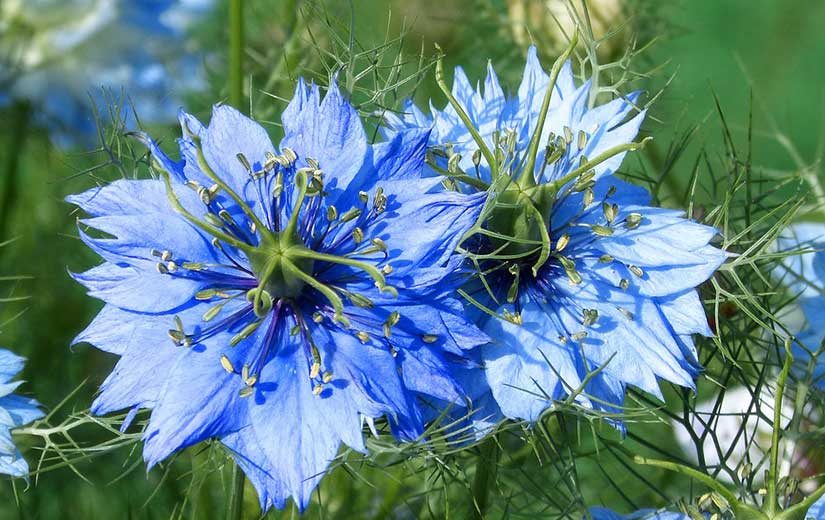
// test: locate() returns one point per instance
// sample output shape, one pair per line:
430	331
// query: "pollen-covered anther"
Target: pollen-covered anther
635	269
513	317
379	202
227	364
610	211
562	242
357	235
289	154
391	321
429	338
387	269
317	389
362	336
582	140
326	377
633	220
589	317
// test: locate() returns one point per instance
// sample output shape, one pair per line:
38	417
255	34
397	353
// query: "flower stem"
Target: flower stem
236	498
21	113
236	44
486	468
771	502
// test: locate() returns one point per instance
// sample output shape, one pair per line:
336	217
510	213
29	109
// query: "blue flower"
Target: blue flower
585	287
15	411
600	513
305	289
802	271
53	59
817	511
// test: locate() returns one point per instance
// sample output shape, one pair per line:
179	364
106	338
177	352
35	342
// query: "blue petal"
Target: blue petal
231	133
328	131
526	365
136	289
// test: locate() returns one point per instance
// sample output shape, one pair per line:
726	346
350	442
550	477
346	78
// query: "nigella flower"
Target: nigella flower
801	270
275	298
584	287
15	411
601	513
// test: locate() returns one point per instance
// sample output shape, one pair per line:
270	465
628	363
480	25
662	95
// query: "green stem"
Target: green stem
235	509
21	114
462	114
236	44
486	468
527	172
556	185
771	503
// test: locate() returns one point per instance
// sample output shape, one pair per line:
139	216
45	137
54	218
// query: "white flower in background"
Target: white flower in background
549	21
740	434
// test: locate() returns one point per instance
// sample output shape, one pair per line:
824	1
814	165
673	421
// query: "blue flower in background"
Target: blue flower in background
51	56
802	274
802	271
600	513
15	411
305	289
817	511
582	277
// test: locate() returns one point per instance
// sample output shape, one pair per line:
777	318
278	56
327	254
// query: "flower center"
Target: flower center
518	222
274	262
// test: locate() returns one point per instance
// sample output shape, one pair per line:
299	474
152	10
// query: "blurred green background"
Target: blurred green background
770	49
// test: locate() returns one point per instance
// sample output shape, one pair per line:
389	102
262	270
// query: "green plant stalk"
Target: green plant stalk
486	467
771	503
527	173
236	47
235	509
21	114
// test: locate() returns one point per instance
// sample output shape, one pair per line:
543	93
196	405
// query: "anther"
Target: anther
601	231
582	140
318	389
633	220
161	268
387	269
227	364
429	338
610	211
363	196
578	336
636	270
244	162
290	155
357	235
562	242
327	377
332	213
362	336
